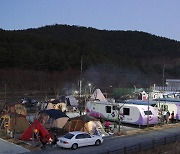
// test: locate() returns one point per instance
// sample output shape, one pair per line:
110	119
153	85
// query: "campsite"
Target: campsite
31	125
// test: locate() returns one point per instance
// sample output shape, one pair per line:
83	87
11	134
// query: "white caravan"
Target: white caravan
127	113
99	107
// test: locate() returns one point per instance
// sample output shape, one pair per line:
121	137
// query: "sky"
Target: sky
158	17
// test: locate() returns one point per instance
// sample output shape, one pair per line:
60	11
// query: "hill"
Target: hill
108	56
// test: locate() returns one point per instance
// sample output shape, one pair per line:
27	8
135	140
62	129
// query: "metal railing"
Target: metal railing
145	145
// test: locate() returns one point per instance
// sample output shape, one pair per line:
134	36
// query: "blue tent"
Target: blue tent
55	114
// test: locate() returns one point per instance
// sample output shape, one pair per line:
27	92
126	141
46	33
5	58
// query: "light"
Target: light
76	92
90	88
65	142
6	125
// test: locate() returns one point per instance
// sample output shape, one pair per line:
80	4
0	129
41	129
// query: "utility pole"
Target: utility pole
80	90
148	110
163	77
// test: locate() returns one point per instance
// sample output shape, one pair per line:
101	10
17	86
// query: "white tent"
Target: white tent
98	95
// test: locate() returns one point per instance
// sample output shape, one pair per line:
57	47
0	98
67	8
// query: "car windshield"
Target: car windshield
68	136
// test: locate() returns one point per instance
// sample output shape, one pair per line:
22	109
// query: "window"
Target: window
126	111
87	136
80	136
68	136
148	112
164	107
108	109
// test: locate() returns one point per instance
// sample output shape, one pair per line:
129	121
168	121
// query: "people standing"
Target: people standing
55	139
172	117
107	126
167	117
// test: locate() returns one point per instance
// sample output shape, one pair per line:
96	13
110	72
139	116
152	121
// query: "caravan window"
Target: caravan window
126	111
148	112
108	109
164	107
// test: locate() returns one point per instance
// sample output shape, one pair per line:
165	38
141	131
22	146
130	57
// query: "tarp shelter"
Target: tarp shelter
53	118
16	123
85	123
28	134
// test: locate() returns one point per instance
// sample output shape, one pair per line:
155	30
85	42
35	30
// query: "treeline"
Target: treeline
114	54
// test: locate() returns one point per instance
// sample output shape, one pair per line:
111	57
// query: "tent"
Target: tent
29	132
57	106
85	123
98	95
71	101
53	118
16	123
15	108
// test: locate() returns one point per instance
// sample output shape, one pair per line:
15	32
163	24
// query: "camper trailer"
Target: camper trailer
127	113
99	107
161	105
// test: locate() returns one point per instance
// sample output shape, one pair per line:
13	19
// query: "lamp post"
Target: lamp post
90	87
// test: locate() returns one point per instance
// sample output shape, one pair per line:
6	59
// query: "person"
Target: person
172	117
96	131
107	126
167	117
55	139
42	143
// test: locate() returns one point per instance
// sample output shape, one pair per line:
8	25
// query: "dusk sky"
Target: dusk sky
158	17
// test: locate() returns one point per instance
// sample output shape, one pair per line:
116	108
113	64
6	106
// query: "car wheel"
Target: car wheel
74	146
98	142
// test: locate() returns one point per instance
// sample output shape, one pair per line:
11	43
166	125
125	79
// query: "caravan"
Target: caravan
127	113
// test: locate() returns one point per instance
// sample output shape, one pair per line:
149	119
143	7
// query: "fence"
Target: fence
145	145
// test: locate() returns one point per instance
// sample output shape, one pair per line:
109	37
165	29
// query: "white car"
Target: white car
77	139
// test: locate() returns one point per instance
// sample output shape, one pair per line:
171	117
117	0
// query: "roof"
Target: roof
172	80
55	114
140	102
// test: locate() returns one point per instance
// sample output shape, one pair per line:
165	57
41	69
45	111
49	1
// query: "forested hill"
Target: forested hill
60	47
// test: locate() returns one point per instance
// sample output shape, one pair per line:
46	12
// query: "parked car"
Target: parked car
77	139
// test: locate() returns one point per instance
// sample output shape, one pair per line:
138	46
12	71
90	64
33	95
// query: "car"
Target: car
77	139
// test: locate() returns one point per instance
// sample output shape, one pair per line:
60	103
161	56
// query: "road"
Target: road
117	142
10	148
